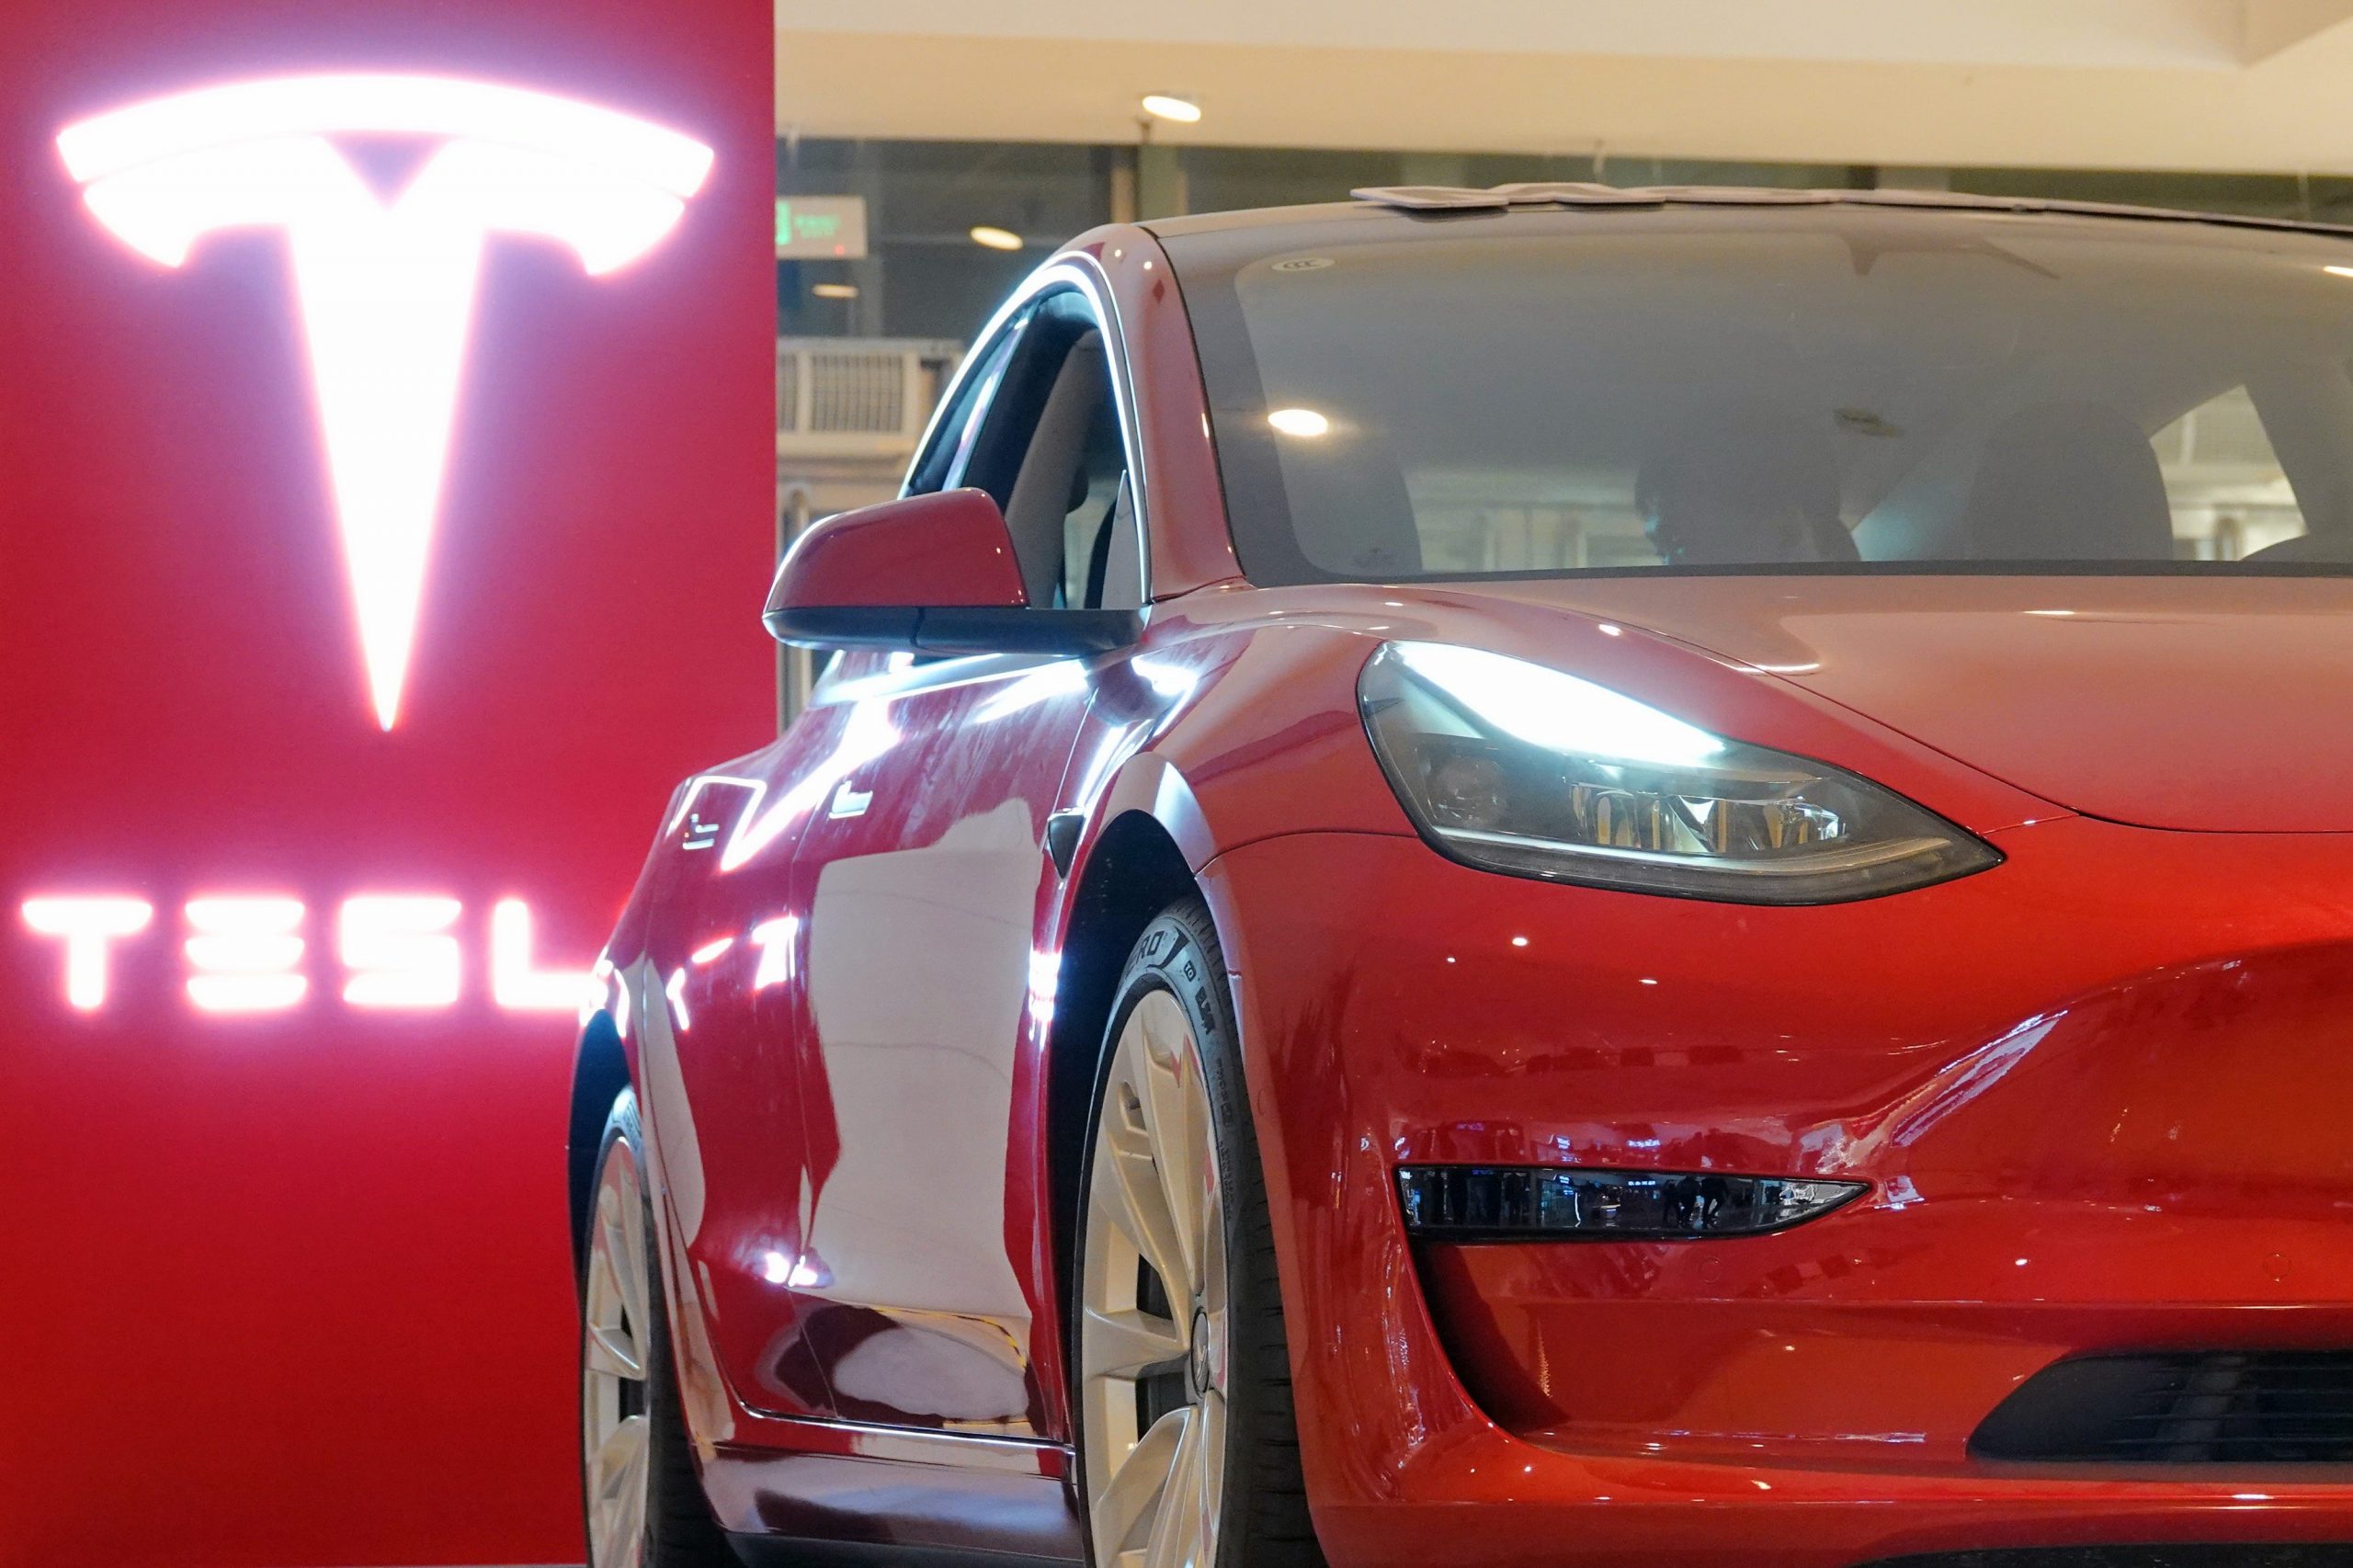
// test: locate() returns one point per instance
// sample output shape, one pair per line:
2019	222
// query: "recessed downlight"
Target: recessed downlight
834	290
1172	106
989	235
1304	422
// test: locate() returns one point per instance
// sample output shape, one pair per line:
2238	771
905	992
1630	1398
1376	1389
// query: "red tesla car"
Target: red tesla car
1543	877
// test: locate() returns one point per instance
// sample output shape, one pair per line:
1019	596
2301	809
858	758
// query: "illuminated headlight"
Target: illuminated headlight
1515	767
1491	1203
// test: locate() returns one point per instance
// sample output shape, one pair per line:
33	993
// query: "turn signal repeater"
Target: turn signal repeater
1517	767
1504	1203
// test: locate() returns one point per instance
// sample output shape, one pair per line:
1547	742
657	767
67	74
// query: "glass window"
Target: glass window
1050	450
924	276
943	462
2327	199
1789	389
2228	494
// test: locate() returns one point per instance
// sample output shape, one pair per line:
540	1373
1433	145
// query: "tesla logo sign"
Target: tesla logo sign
245	953
386	286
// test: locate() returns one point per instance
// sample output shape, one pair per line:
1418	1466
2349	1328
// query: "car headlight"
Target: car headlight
1515	767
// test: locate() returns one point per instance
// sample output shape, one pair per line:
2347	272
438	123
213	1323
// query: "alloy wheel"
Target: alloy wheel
1153	1319
614	1427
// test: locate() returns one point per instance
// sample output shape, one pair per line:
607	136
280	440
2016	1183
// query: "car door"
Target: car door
720	1077
923	871
724	1020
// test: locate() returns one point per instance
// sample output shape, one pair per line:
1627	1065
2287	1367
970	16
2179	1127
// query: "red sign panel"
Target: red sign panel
385	486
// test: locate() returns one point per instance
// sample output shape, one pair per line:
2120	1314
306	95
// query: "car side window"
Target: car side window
941	464
1050	450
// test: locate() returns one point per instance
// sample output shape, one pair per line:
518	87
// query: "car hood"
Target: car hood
2192	703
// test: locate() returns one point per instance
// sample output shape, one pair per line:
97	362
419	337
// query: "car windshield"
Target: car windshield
1793	389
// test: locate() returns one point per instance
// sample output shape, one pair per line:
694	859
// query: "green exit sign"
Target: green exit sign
821	228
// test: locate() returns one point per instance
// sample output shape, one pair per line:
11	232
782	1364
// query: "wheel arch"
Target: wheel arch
599	1073
1133	872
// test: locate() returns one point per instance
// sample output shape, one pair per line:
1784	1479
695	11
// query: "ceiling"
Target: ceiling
2202	85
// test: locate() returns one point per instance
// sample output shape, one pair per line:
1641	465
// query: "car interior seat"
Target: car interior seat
1115	565
1351	512
1053	469
2312	549
2069	482
1745	481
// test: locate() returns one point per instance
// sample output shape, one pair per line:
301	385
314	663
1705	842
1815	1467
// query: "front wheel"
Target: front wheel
643	1501
1188	1451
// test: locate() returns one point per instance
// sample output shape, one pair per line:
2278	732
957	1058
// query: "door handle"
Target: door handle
849	800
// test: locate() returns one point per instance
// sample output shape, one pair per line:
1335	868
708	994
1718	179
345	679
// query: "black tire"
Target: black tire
680	1531
1265	1522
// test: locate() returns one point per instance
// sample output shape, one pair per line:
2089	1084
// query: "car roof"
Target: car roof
1442	205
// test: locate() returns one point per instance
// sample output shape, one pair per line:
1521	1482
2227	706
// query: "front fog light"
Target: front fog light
1515	767
1503	1203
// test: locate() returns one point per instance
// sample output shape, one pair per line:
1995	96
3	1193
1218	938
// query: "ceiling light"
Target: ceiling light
2339	271
989	235
834	290
1168	106
1299	422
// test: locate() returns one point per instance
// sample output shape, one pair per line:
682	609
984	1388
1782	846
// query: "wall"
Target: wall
290	1287
2221	85
925	277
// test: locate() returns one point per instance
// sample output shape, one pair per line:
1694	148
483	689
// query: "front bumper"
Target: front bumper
2103	1094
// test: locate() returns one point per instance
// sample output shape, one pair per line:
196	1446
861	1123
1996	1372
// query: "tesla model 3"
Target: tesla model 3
1550	876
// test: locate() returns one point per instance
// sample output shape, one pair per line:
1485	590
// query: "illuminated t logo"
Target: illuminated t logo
387	287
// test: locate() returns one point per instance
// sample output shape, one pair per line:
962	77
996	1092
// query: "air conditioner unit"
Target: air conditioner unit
858	397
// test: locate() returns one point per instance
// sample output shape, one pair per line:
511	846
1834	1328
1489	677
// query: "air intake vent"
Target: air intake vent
2269	1407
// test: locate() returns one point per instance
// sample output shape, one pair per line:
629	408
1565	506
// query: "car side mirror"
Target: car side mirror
928	573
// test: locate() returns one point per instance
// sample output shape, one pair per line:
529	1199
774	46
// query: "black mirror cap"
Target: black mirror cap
1076	632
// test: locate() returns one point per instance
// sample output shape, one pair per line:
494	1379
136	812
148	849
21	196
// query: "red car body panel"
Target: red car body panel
2096	1090
1187	536
923	554
1965	665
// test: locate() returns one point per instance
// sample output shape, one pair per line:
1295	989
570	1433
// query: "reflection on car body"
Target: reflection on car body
1637	877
